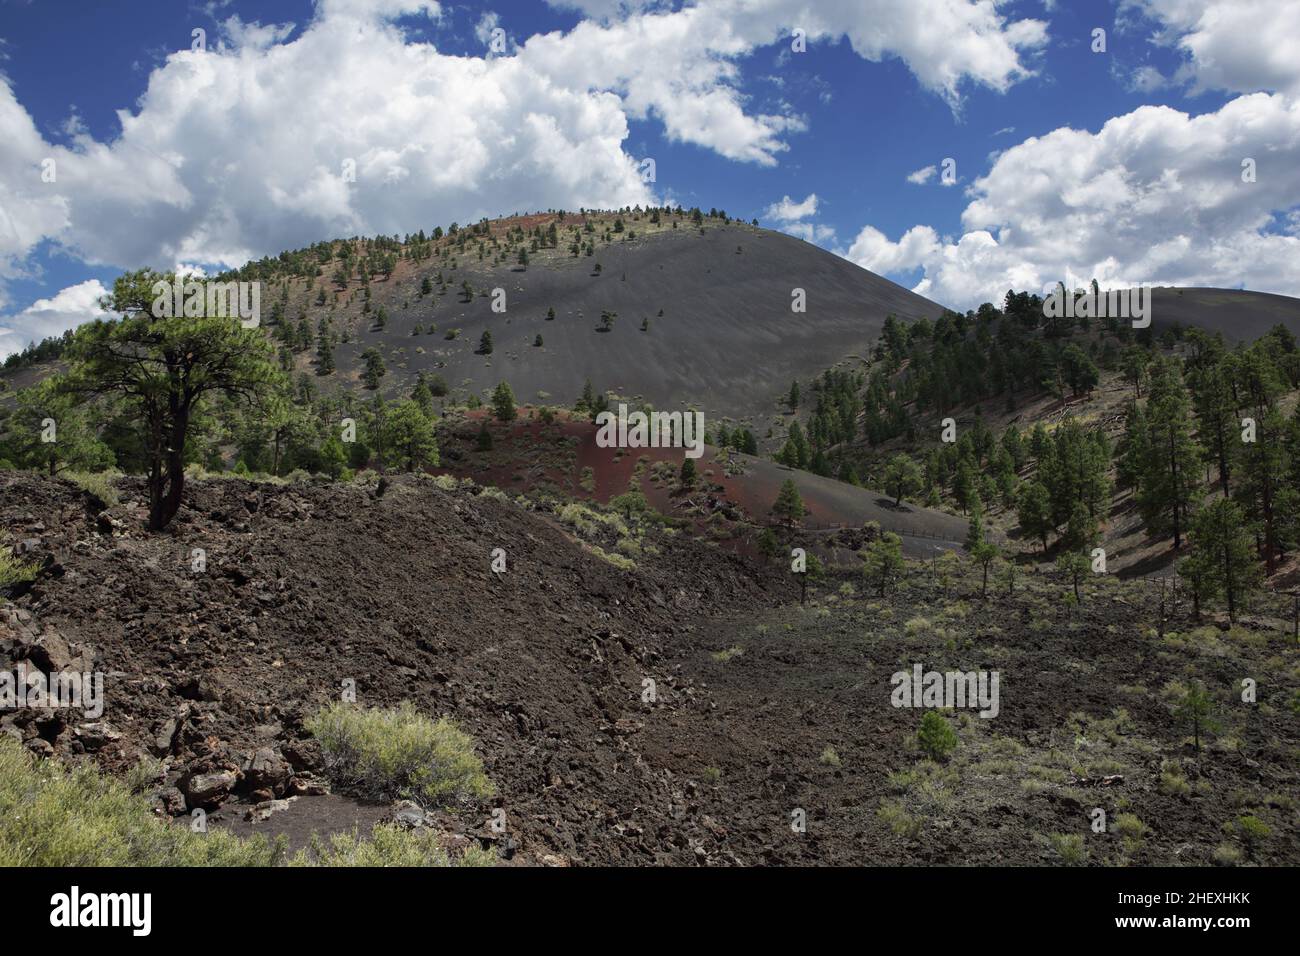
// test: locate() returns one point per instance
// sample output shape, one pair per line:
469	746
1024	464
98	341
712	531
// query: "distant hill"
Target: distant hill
1240	315
727	340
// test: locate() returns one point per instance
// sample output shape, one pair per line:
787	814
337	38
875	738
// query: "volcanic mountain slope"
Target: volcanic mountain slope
763	712
721	333
1240	315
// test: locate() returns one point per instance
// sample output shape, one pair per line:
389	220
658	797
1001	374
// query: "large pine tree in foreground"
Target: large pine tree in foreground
164	369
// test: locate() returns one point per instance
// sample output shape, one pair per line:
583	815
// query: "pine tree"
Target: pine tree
485	343
503	403
1014	445
333	458
1131	454
408	436
1169	489
1073	565
1034	507
984	554
373	368
795	452
884	561
1261	482
1197	709
324	354
1216	419
1222	556
902	477
164	371
789	505
975	527
1081	530
688	474
422	395
76	444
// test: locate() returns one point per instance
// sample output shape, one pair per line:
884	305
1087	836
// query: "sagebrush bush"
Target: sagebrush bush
53	815
586	520
388	845
399	753
620	562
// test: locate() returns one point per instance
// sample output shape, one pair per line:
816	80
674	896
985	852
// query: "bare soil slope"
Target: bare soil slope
727	341
1240	315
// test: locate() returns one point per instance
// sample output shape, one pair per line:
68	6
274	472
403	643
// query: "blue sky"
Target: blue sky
1124	164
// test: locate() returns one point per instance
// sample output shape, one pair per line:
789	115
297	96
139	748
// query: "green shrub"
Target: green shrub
588	521
895	816
144	776
1070	848
830	758
1252	830
620	562
13	571
1225	854
399	753
99	485
54	816
1131	830
388	845
1173	782
936	738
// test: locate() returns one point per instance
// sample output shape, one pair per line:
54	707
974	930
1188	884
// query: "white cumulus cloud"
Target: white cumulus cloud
46	317
1156	195
1242	46
787	210
239	151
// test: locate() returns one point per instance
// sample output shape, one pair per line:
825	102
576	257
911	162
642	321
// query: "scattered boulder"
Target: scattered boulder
50	653
170	801
304	754
306	784
409	815
266	770
208	789
164	738
95	735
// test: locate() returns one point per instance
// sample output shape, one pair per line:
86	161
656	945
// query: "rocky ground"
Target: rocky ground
307	587
761	709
